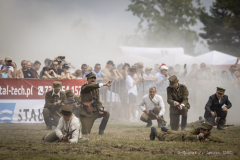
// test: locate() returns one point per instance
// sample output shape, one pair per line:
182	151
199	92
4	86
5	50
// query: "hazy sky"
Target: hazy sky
39	29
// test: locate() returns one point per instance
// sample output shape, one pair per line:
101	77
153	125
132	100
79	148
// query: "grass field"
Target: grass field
121	141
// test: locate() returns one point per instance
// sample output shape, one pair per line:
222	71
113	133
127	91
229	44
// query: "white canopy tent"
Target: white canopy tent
213	58
169	56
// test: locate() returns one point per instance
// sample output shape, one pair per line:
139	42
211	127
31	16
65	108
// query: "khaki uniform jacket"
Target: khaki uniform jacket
181	96
51	99
86	97
180	135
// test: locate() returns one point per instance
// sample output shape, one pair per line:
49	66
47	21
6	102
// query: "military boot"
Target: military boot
220	127
102	126
159	123
183	123
152	134
149	124
164	129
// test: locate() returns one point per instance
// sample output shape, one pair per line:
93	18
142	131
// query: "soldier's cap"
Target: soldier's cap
111	62
8	58
148	68
65	66
57	85
220	90
69	93
91	75
66	110
206	125
173	81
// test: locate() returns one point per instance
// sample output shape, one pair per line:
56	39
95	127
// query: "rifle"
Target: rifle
210	139
228	125
156	116
94	103
67	135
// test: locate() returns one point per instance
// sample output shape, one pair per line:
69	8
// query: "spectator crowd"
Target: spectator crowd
132	82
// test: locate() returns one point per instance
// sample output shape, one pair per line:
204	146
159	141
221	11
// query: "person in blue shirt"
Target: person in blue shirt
4	72
97	72
162	82
84	71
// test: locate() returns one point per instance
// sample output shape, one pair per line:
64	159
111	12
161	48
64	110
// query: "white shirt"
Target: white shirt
69	126
129	85
58	94
146	103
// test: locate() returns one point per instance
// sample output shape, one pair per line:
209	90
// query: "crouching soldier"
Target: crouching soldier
202	133
54	100
73	101
91	108
214	108
68	128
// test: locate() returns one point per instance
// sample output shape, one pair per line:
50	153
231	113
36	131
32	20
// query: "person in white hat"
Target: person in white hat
162	82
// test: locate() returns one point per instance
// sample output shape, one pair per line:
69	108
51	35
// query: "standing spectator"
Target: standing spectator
4	72
55	67
29	65
125	70
72	67
149	81
162	82
106	70
84	71
24	72
98	73
78	74
156	69
48	73
47	62
35	68
89	69
132	92
12	68
231	73
65	72
223	76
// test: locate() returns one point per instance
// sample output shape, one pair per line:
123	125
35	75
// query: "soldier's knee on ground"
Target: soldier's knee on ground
46	112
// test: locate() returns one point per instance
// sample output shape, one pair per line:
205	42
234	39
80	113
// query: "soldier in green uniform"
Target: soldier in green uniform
54	99
177	98
197	134
73	100
91	108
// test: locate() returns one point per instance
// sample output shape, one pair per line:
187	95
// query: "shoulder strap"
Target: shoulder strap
153	101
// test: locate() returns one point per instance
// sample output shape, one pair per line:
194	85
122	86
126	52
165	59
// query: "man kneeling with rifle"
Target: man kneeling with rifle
202	133
68	129
153	107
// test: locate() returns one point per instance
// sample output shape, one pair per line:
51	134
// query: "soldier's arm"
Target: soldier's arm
209	104
228	104
185	97
48	103
90	87
191	137
64	98
76	133
169	97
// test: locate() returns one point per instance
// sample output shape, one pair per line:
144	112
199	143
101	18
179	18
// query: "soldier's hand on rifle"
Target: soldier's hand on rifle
147	111
158	117
206	140
108	84
213	114
224	109
201	135
180	107
101	112
176	103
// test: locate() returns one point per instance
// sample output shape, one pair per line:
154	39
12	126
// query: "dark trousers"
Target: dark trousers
222	114
174	121
50	118
87	122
